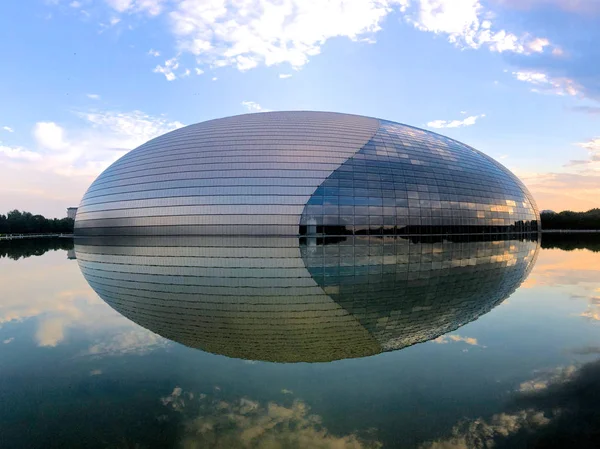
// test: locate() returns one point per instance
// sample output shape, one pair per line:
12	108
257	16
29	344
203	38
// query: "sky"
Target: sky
84	81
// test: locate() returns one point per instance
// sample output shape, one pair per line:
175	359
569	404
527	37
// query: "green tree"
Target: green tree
17	222
571	220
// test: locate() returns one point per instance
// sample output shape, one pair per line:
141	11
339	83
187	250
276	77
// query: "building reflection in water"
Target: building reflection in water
285	299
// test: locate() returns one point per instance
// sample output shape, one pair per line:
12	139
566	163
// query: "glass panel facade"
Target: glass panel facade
443	186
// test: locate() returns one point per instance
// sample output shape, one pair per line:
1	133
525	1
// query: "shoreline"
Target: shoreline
33	236
570	231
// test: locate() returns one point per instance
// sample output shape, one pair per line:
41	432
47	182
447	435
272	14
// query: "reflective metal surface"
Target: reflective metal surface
304	173
286	299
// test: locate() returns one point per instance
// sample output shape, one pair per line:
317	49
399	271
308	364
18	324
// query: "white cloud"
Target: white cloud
469	121
285	75
444	339
252	106
577	191
49	135
139	341
214	78
547	378
68	159
576	188
19	153
247	33
127	130
187	72
75	4
150	7
482	434
459	19
104	26
561	407
93	96
174	400
51	331
537	45
576	6
468	25
546	84
120	5
168	69
58	299
199	71
153	52
210	421
592	145
8	129
593	313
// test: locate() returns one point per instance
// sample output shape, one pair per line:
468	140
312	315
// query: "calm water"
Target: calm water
340	344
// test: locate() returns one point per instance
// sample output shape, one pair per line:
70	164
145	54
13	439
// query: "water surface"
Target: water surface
398	344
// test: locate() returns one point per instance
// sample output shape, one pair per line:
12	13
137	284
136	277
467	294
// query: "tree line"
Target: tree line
23	248
570	242
17	222
571	220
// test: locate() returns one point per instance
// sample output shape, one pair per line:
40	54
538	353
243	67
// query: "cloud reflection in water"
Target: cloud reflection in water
213	421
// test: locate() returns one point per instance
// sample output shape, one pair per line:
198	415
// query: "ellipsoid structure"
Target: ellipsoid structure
305	173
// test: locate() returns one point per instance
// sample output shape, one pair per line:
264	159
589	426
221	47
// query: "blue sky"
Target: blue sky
84	81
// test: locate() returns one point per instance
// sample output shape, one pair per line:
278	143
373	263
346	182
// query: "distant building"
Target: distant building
71	212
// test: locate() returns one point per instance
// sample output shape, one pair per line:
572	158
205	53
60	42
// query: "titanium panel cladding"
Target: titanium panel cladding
311	174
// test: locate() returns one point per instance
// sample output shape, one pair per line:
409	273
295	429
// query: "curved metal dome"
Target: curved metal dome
304	173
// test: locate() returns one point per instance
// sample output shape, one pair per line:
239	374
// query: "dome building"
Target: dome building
305	174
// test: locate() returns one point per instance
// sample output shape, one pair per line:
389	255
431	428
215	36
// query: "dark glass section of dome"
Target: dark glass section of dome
406	181
407	291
